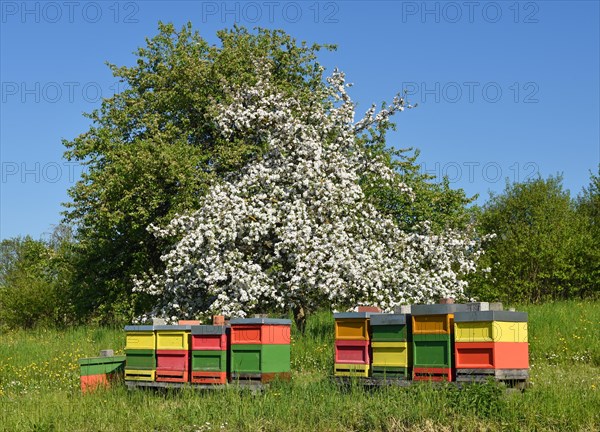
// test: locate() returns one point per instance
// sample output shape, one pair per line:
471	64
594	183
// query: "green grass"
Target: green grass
39	388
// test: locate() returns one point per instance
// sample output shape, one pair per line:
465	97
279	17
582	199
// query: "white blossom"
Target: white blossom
294	227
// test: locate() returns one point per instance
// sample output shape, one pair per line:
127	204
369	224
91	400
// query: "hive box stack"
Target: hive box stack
391	346
432	333
260	349
140	353
491	344
210	345
352	344
173	353
99	371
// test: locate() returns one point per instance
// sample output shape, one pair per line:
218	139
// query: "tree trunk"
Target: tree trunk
300	318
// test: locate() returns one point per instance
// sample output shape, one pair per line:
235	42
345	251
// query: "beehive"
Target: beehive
390	346
99	371
491	341
173	353
352	344
260	349
433	340
209	354
140	353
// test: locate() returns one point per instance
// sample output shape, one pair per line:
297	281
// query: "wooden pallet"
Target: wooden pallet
252	385
260	377
373	382
511	378
497	374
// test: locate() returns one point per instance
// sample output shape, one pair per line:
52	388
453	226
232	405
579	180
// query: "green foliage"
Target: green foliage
588	253
432	200
34	281
153	150
538	236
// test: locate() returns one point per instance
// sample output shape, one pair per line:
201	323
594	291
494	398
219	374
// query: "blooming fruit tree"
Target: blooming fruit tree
293	229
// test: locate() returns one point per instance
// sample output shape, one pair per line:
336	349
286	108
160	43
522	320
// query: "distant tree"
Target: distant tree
588	256
533	256
35	280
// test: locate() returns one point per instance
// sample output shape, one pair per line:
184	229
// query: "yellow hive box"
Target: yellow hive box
390	354
352	329
432	324
173	337
355	370
139	375
490	331
140	337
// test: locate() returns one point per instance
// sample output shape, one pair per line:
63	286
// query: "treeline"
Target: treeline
546	247
546	244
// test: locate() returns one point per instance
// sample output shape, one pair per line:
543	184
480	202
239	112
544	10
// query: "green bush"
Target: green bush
540	237
34	283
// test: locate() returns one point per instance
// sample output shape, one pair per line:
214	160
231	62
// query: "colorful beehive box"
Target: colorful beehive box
173	353
100	371
260	349
352	344
210	344
390	345
352	325
433	340
140	353
352	352
491	326
390	327
491	343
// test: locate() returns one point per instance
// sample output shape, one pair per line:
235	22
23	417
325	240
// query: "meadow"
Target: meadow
39	388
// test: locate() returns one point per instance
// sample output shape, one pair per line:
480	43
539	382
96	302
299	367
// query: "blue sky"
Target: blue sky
505	89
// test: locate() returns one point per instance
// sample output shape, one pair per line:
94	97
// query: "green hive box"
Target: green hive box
101	365
140	359
260	358
209	361
390	328
389	333
433	351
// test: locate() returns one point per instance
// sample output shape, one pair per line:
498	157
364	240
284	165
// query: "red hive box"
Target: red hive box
260	334
492	355
172	360
352	352
209	342
172	365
